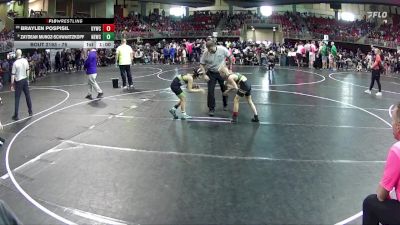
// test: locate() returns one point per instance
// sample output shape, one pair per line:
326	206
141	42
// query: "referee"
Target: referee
213	57
19	83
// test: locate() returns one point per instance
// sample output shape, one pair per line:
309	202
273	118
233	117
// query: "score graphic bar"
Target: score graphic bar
64	33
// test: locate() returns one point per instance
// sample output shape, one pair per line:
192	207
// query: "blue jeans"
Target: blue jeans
125	72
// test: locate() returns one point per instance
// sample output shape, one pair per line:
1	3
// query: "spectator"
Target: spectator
124	57
172	52
5	67
91	71
184	55
138	56
313	50
166	53
58	62
324	55
155	56
384	206
300	54
376	73
334	55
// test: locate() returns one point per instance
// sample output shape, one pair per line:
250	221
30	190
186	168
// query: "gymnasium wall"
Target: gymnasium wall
263	35
359	10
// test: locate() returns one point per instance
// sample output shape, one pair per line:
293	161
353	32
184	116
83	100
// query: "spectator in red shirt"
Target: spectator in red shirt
376	73
384	206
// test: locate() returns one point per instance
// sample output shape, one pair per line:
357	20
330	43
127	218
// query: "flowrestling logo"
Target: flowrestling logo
380	15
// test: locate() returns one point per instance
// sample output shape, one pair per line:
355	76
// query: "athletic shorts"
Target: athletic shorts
299	56
324	58
176	86
311	56
244	89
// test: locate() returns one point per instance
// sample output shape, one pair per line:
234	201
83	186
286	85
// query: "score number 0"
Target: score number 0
108	28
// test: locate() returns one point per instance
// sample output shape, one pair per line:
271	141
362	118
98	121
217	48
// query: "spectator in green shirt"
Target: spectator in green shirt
324	55
334	54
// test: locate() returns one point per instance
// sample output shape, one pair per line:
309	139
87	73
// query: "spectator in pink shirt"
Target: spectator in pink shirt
189	49
384	206
313	50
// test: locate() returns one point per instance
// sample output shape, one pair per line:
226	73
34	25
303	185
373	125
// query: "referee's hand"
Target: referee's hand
206	78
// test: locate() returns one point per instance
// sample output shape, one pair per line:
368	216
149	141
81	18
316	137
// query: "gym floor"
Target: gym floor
318	151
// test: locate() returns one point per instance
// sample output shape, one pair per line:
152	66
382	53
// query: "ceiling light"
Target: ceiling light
266	10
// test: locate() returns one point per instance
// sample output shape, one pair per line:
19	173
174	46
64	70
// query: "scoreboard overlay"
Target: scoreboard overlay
64	33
